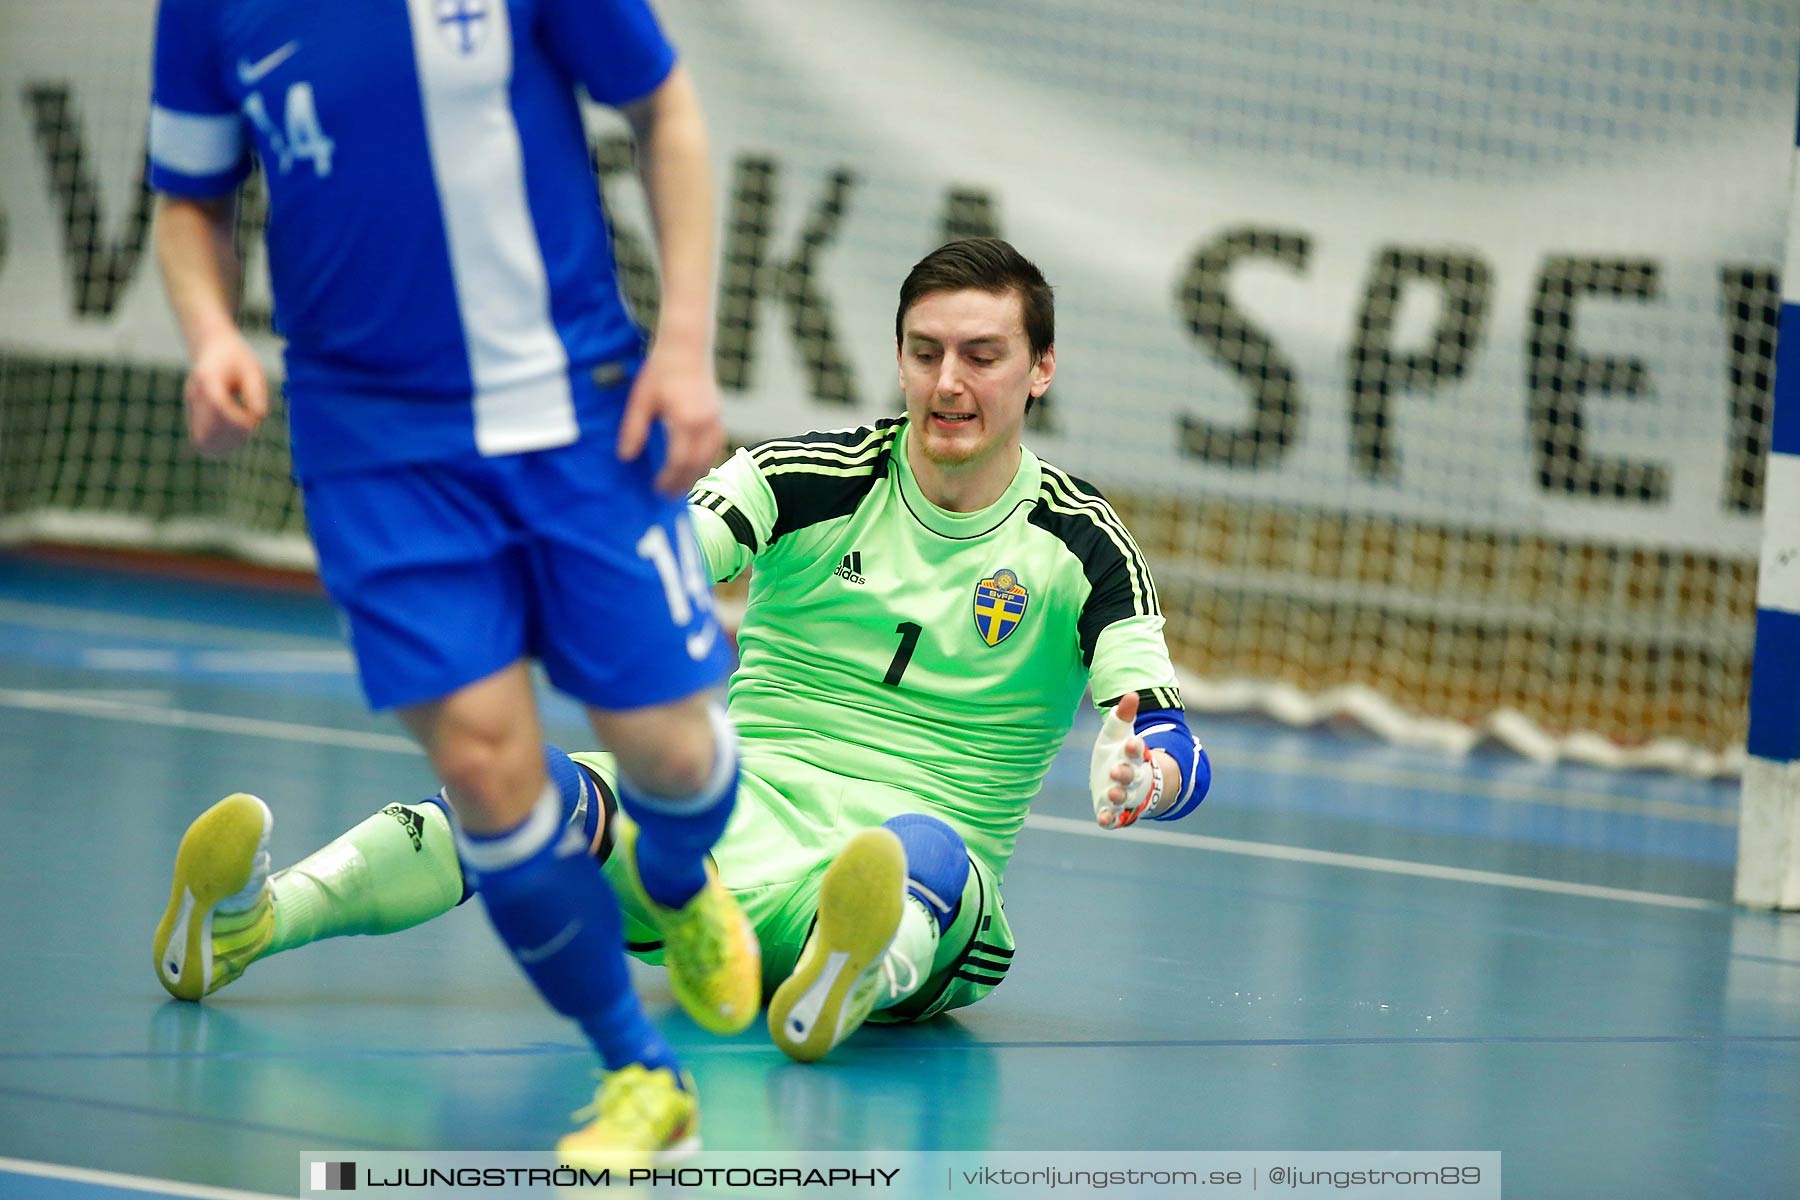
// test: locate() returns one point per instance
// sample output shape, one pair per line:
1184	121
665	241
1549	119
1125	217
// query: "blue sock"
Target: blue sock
555	913
937	864
468	884
674	834
576	791
571	788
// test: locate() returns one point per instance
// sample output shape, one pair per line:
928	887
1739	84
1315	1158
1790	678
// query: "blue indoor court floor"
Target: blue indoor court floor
1350	946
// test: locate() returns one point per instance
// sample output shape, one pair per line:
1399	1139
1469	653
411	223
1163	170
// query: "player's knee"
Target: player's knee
490	780
669	751
937	863
678	767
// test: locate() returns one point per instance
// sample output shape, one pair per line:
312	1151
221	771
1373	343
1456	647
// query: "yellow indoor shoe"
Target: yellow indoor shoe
709	948
639	1118
844	968
220	916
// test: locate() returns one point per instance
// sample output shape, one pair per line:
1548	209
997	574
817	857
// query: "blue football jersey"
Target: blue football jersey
439	256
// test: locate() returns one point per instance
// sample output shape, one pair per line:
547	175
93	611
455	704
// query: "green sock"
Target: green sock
393	871
915	945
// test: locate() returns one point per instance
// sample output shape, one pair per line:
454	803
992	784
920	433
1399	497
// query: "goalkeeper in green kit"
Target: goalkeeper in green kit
929	602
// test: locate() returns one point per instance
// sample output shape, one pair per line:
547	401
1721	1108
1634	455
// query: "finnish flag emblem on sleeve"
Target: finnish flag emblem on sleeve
334	1177
463	23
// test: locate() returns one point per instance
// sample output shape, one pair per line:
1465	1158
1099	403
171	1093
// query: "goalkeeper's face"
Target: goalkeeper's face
967	371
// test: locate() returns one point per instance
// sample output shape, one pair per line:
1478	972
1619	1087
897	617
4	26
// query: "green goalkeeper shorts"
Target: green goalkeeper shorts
774	869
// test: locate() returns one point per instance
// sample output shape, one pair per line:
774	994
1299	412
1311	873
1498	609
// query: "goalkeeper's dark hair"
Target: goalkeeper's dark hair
985	264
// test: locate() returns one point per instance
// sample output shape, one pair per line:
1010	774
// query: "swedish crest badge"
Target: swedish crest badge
1000	602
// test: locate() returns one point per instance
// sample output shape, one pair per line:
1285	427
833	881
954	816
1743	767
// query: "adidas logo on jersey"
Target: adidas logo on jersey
851	568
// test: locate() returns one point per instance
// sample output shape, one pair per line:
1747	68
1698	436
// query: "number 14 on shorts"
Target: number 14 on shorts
685	585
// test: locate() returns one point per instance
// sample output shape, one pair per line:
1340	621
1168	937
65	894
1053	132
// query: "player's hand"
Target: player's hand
1122	779
226	395
677	388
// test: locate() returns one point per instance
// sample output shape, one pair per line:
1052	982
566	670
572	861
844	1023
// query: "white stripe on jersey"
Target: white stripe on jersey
519	365
195	145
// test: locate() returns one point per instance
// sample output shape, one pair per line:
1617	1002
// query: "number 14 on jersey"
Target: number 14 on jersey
301	137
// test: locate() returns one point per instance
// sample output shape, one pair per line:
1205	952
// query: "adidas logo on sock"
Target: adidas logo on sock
412	822
851	568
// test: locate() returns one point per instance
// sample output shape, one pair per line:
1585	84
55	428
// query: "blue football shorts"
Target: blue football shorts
446	572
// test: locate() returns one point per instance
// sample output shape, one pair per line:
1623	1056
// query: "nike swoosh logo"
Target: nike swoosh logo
530	955
249	73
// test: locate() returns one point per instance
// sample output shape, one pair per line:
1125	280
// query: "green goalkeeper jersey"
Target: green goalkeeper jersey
900	657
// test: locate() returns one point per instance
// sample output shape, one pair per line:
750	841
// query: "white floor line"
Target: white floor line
1364	862
173	629
146	697
1504	791
298	653
155	1187
331	660
89	706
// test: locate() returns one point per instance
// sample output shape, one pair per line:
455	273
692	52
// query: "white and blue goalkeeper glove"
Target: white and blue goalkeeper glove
1124	781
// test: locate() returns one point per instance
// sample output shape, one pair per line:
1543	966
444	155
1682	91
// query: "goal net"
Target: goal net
1426	348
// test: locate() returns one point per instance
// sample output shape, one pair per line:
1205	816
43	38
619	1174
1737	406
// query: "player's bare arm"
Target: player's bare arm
676	384
227	392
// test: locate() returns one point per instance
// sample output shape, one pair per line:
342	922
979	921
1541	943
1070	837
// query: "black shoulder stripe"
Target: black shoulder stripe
817	463
800	459
826	440
821	476
1118	581
832	448
804	499
1065	491
734	519
1151	698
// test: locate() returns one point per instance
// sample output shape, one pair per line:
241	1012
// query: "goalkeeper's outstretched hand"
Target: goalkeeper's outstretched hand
1123	779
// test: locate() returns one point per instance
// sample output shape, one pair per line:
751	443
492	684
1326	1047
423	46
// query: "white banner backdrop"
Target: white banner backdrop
1533	145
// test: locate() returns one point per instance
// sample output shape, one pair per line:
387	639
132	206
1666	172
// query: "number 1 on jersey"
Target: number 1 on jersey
909	639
